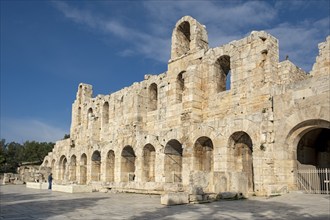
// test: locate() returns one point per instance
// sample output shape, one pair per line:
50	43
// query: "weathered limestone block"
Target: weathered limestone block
177	198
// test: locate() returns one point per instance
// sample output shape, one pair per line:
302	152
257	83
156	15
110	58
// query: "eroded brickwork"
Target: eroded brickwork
219	119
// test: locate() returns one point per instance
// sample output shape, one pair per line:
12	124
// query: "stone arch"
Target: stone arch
46	163
149	159
153	96
105	114
203	154
79	116
188	36
180	87
127	164
89	117
63	168
222	73
83	169
96	166
240	161
52	166
310	143
173	161
110	166
183	38
73	168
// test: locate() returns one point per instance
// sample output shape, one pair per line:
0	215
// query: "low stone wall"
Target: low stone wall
34	185
72	188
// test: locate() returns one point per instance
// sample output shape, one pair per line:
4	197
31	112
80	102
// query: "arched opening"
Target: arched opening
89	117
46	163
63	169
173	161
53	166
183	38
222	73
79	116
149	155
72	168
203	154
127	164
313	150
310	140
241	161
179	87
153	97
105	114
96	166
83	169
110	166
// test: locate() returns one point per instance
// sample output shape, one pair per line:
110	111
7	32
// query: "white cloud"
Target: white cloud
20	130
150	45
300	41
225	21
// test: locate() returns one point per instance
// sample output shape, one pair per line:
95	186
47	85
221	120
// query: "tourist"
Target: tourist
50	180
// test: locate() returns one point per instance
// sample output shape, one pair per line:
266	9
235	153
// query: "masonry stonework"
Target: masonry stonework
226	119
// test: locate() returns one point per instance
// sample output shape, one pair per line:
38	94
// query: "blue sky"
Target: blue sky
49	47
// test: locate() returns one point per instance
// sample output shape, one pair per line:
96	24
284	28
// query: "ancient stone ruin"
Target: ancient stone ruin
230	119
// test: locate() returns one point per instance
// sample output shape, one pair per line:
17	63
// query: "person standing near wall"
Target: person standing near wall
50	180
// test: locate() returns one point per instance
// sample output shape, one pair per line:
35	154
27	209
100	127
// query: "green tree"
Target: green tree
36	151
14	154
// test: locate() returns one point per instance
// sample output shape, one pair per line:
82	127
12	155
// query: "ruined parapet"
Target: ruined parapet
322	64
288	73
188	36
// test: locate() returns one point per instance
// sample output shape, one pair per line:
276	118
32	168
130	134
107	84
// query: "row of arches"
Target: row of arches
105	170
222	76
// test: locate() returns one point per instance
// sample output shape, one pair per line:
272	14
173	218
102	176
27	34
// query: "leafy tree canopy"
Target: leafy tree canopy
14	154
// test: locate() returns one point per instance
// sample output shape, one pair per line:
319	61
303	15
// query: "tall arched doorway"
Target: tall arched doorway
96	166
127	164
203	154
310	142
240	162
313	149
149	155
173	161
63	168
72	168
110	166
83	169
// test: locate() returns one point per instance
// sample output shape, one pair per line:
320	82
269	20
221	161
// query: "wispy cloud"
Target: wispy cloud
20	130
299	41
225	21
140	42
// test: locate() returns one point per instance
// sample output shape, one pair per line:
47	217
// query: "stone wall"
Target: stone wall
219	119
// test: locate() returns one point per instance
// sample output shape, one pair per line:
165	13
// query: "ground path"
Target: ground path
19	202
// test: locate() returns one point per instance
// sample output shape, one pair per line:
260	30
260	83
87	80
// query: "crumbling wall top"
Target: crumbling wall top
188	36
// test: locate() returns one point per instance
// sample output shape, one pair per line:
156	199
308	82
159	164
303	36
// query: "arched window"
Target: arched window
89	117
153	97
79	116
105	113
180	86
183	38
223	73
